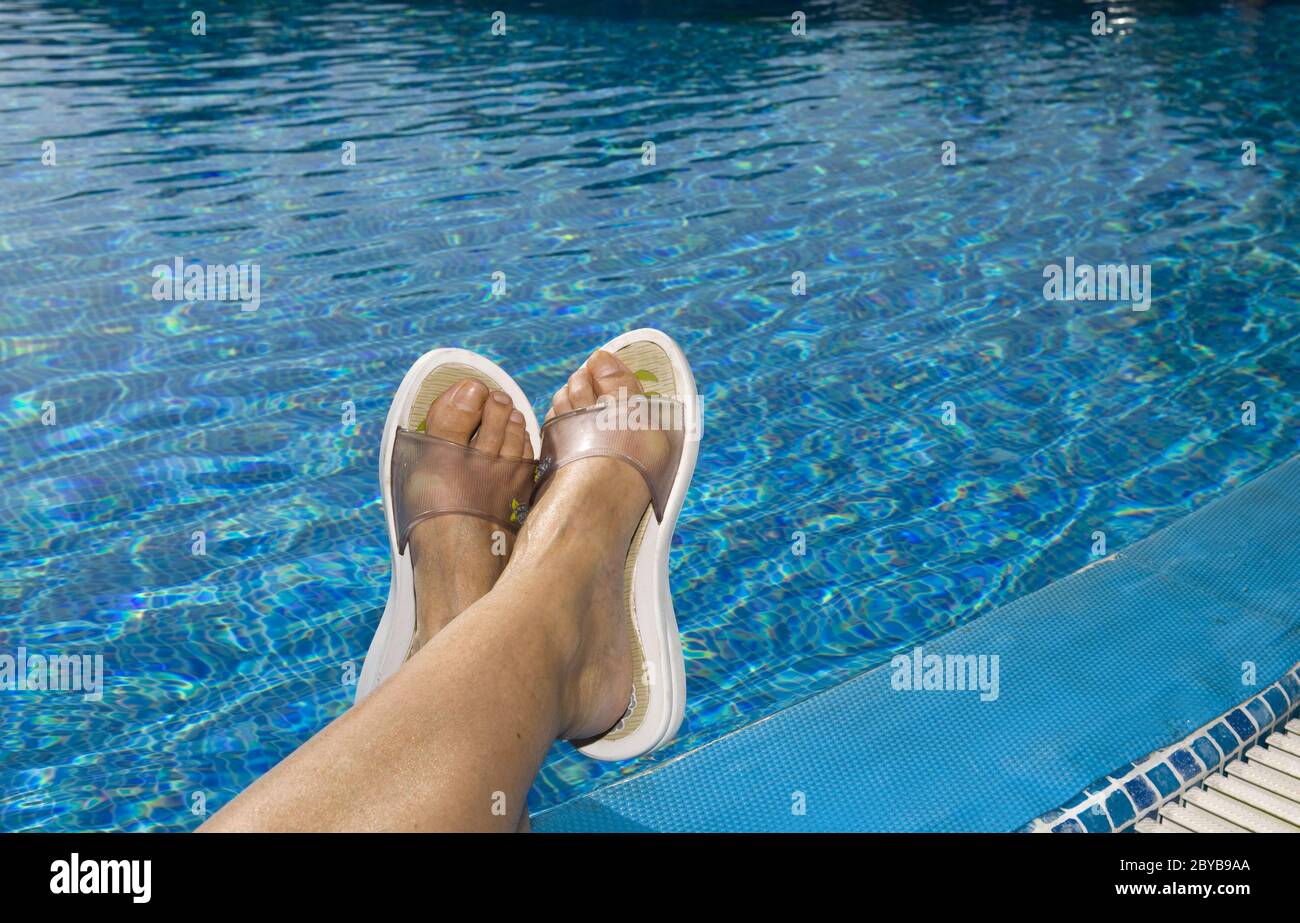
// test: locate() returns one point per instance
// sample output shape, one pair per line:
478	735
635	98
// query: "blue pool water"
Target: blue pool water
522	154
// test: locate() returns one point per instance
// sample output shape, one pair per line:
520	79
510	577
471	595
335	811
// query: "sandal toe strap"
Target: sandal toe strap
645	432
434	477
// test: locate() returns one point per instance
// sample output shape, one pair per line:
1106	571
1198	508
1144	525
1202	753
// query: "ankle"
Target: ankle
443	592
557	599
549	629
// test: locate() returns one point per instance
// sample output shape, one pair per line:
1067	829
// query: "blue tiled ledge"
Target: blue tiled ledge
1118	800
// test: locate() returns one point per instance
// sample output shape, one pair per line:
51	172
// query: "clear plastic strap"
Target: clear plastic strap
645	432
434	477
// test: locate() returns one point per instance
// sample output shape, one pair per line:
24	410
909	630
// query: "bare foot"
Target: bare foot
570	555
453	556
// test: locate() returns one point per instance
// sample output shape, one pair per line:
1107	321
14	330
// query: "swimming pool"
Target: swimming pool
523	154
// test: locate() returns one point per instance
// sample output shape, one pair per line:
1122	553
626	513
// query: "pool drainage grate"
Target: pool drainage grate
1257	793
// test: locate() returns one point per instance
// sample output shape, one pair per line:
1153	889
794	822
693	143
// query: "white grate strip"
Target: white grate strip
1283	810
1257	793
1290	743
1198	820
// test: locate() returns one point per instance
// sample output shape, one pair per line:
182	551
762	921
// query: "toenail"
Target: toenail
516	417
468	395
501	397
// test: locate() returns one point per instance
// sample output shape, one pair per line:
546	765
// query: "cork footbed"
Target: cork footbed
654	370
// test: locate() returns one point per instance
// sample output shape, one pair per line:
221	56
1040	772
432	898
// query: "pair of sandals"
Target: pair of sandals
458	479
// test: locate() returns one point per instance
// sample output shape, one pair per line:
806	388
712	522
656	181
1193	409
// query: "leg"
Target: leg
453	741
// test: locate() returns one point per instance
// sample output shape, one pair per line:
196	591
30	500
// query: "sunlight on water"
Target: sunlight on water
774	155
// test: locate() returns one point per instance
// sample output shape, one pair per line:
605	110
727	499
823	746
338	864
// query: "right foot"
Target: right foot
452	555
571	553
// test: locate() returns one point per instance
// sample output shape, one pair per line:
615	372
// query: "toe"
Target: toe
457	411
610	376
492	431
560	403
513	444
581	391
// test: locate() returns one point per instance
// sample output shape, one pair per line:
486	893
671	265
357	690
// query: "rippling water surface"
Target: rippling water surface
522	154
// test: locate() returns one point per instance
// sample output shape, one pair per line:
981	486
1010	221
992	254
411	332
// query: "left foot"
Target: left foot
457	559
